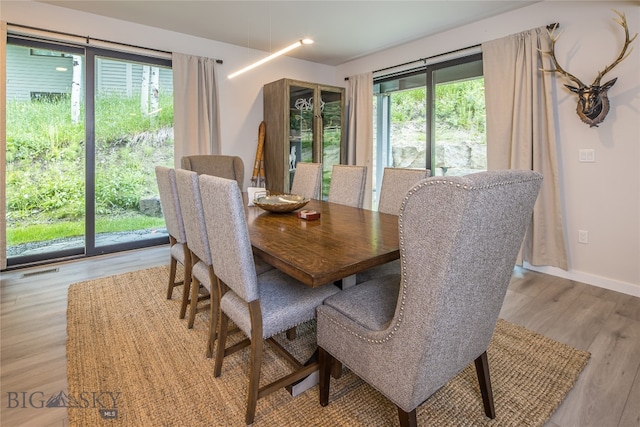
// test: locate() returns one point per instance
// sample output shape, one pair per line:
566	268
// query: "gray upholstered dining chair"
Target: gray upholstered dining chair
193	217
407	337
231	167
307	181
261	305
396	182
348	185
202	264
180	253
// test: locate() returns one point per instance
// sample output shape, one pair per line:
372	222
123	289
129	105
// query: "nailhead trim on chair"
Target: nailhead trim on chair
470	187
404	266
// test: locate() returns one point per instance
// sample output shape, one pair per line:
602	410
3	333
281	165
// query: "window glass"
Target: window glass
459	144
84	132
431	118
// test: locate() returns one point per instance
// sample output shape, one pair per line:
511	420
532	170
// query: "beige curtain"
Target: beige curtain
195	106
360	127
3	145
521	133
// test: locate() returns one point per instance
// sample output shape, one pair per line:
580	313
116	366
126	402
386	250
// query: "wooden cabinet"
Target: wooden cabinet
304	123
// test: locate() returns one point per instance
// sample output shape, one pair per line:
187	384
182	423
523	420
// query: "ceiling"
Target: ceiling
342	30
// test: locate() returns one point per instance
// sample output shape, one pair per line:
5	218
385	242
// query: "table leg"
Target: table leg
306	383
349	281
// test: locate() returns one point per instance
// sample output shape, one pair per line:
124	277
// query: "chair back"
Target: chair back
347	185
233	259
230	167
166	178
307	181
193	214
396	182
459	240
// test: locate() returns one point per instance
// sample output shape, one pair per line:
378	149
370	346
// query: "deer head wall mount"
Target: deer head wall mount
593	103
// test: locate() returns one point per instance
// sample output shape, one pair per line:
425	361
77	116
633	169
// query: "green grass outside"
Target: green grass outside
66	229
45	164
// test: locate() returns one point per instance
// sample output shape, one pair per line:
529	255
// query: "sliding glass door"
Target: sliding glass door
433	118
458	138
85	129
133	132
46	151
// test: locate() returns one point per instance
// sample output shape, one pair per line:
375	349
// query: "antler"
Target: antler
558	69
623	53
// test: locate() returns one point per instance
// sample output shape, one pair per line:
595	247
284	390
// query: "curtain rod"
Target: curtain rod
427	58
549	27
88	38
423	59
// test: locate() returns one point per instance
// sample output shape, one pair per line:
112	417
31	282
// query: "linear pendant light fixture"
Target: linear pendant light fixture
270	57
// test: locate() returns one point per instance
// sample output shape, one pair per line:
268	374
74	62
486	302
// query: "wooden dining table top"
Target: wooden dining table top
342	242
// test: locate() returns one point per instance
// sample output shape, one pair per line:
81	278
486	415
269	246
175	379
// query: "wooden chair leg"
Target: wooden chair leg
186	290
187	284
482	369
291	334
256	360
336	369
213	324
193	302
223	325
173	264
407	419
214	312
325	361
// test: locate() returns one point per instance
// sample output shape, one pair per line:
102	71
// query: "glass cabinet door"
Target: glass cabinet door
330	108
301	127
303	124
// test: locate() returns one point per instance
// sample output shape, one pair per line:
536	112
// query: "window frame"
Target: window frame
89	53
383	126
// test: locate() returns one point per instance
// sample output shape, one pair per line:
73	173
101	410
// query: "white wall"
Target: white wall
601	197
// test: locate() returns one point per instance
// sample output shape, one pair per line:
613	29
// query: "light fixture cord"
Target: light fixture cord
270	46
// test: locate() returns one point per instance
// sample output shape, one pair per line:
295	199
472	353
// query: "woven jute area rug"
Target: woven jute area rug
132	362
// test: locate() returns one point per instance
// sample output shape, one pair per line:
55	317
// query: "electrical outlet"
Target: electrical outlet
587	155
583	236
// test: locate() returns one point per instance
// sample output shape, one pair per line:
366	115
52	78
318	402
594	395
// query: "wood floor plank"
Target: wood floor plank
605	384
625	305
631	413
528	282
514	302
629	307
21	317
544	309
27	410
54	417
8	303
589	312
31	347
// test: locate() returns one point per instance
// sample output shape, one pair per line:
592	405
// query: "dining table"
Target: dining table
343	241
340	243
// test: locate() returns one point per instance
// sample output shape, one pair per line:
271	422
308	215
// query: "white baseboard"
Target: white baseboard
589	279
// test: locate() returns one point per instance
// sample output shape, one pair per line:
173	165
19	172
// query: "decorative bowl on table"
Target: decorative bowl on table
280	202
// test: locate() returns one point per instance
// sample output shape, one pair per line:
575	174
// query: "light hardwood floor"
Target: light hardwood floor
605	323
